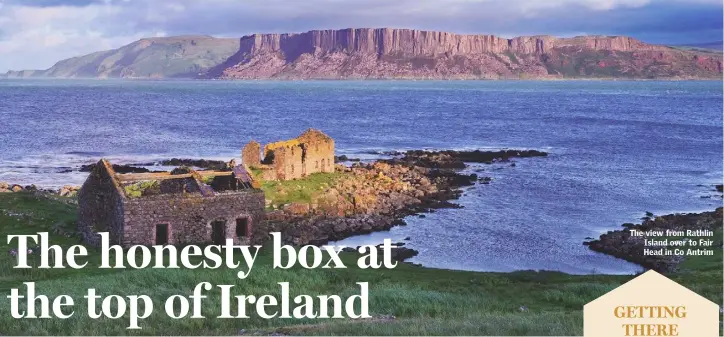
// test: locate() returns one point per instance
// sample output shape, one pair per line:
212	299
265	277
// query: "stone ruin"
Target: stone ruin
178	207
311	152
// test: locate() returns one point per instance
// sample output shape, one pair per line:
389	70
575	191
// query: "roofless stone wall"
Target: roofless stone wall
311	152
251	154
189	218
175	215
318	152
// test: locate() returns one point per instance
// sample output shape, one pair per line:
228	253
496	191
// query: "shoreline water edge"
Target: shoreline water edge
372	196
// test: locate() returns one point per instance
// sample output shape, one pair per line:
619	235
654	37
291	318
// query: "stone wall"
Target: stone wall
318	152
100	207
288	162
189	217
311	152
251	154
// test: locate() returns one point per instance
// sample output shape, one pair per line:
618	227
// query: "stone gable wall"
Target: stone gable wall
189	217
100	207
311	152
288	163
319	155
251	154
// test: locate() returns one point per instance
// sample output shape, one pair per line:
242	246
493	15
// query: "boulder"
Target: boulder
68	191
297	208
340	227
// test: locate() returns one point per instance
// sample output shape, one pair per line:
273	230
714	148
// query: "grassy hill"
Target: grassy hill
163	57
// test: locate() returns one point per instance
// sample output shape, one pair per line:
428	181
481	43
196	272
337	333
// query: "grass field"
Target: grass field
301	190
423	301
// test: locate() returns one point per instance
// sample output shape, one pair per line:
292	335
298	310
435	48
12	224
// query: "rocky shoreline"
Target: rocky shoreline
65	191
377	196
372	196
623	245
451	159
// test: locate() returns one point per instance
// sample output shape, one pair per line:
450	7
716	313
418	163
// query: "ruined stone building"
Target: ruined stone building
311	152
182	206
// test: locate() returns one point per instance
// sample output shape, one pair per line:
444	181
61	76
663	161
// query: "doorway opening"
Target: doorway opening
218	232
162	234
242	228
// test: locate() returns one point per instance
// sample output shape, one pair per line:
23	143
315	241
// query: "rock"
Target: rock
621	244
340	227
68	191
400	253
16	188
118	168
182	170
297	208
200	163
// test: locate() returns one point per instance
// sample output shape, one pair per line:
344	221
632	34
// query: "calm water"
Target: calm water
618	149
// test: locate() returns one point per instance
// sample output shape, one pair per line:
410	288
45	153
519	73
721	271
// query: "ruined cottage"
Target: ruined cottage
311	152
182	206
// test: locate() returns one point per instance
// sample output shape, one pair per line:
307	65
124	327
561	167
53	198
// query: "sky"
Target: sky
34	34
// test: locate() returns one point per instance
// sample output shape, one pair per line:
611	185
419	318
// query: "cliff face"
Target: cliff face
389	53
404	53
415	43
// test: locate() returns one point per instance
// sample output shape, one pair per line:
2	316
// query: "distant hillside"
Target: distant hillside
717	46
161	57
390	53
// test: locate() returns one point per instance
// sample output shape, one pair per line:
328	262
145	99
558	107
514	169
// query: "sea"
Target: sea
618	149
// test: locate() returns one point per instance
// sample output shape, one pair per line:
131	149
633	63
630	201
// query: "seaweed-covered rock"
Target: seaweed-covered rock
621	244
181	170
451	159
118	168
200	163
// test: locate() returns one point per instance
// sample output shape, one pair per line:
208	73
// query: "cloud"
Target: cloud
36	34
